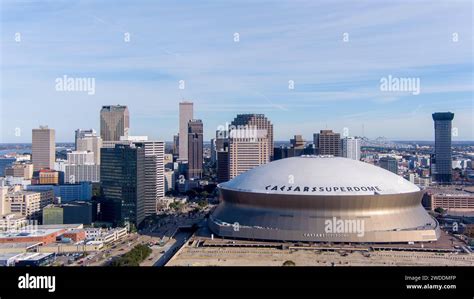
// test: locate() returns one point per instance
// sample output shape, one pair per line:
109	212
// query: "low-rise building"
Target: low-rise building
69	213
34	259
12	221
112	235
9	259
26	203
46	177
451	199
67	192
31	235
75	235
20	170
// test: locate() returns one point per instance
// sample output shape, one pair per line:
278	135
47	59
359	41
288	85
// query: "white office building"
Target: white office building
81	167
351	148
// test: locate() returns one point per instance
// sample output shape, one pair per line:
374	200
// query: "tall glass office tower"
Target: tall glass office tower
122	176
441	170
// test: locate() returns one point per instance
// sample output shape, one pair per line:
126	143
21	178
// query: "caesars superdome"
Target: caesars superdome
322	199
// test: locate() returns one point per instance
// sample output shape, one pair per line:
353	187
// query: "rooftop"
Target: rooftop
33	256
28	233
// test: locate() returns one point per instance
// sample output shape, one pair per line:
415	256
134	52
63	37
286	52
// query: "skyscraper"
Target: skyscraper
213	151
122	176
222	140
246	152
442	164
154	174
223	165
260	122
351	148
114	122
81	167
389	163
222	155
43	148
195	148
87	140
327	142
176	145
185	115
297	142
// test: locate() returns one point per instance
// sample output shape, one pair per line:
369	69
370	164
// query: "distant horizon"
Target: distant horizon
288	141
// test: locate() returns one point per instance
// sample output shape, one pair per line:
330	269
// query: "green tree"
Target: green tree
132	258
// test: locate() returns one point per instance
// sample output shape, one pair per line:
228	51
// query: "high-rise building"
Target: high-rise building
297	148
213	151
81	167
222	155
176	145
327	142
122	176
247	152
297	142
43	148
389	163
351	148
168	161
153	165
259	122
87	140
170	179
222	140
223	165
195	148
124	140
218	144
76	173
185	115
80	157
114	122
441	166
154	174
280	152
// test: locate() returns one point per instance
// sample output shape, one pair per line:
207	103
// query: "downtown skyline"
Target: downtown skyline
336	82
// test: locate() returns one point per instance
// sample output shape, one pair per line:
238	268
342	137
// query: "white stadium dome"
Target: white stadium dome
331	175
296	199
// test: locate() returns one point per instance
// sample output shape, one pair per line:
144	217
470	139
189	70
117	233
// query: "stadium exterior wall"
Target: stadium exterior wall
389	218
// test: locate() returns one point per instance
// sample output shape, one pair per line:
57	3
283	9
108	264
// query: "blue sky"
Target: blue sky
337	83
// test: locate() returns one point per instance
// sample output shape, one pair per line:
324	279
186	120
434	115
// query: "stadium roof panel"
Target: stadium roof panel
320	175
